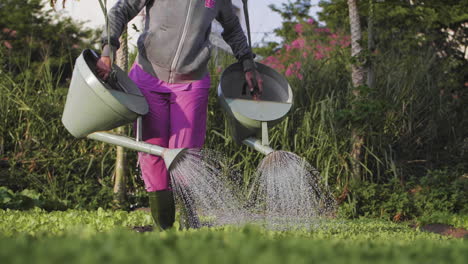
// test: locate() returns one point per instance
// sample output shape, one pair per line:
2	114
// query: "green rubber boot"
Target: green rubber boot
162	209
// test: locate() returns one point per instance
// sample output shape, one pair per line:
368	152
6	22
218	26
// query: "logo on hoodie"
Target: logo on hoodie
210	3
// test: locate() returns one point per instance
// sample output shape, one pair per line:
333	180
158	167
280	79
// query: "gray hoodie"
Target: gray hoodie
175	46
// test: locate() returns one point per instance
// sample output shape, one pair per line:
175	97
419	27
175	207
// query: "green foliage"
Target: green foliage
440	193
455	220
40	153
292	13
38	222
27	199
404	27
37	153
103	236
29	35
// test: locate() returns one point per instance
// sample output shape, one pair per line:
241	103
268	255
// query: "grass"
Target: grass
104	236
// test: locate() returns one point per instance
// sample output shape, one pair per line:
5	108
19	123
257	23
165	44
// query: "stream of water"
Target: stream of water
205	188
285	193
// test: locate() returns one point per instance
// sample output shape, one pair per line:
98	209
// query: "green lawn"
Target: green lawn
105	237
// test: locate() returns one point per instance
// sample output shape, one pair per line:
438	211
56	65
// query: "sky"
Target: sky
263	20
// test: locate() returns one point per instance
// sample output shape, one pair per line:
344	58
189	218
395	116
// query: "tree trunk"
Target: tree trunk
358	76
370	46
120	180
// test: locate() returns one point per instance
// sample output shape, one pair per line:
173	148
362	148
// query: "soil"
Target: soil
142	229
445	230
144	209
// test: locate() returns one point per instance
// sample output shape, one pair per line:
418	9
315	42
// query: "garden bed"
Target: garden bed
101	236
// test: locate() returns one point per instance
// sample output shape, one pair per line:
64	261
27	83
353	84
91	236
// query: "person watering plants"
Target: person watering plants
171	72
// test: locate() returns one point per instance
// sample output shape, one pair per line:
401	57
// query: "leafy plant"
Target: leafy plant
439	193
95	236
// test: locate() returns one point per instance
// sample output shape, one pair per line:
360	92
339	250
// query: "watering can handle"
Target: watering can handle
256	89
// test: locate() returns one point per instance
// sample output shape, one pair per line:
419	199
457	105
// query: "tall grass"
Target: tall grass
40	152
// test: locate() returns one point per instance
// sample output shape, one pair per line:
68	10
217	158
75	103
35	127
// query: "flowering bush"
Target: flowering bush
312	42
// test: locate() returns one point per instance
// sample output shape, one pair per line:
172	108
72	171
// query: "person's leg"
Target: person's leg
155	130
188	113
188	129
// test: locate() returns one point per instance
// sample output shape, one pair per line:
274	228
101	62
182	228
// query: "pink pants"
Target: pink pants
175	120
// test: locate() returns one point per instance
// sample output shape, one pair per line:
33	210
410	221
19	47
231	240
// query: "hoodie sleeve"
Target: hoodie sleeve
234	35
119	15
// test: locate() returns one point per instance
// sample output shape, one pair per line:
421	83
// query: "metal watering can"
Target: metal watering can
250	119
94	105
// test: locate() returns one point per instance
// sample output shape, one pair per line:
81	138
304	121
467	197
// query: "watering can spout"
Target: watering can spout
257	145
169	155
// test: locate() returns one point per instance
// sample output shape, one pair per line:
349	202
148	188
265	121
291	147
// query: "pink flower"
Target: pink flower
274	62
345	43
280	67
318	30
299	28
298	65
210	3
310	21
7	44
288	47
293	70
298	43
318	55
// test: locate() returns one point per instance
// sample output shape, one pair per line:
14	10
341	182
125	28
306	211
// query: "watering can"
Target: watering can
94	105
250	119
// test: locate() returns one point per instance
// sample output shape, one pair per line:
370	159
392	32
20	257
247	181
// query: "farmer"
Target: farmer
171	72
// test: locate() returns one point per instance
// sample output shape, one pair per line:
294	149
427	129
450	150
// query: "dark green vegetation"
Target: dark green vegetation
32	39
413	119
84	237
